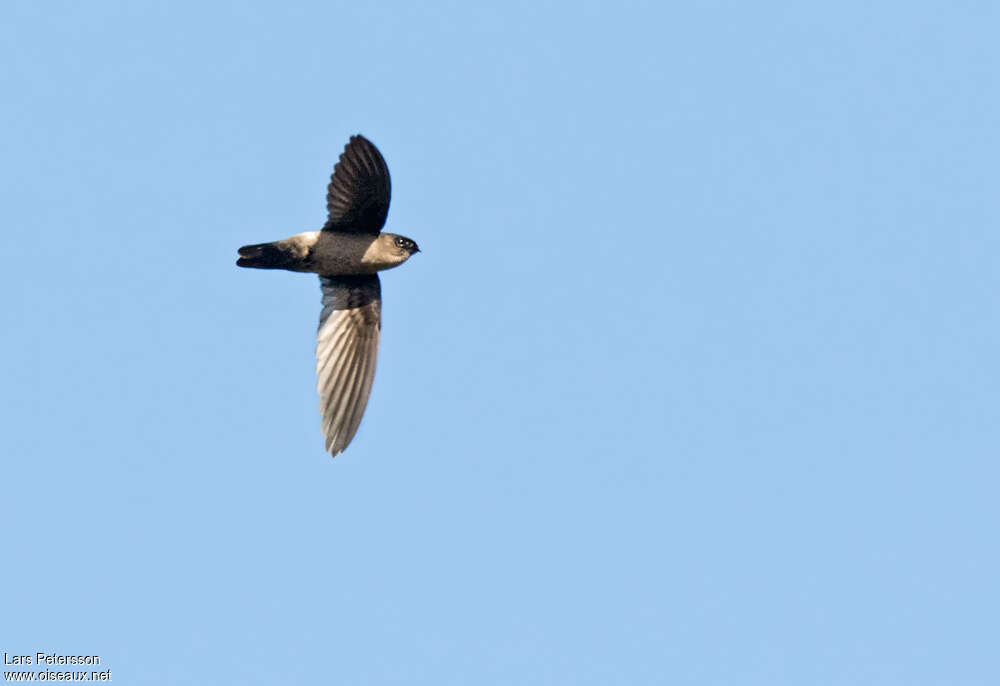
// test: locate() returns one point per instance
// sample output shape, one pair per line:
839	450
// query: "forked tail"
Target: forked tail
267	256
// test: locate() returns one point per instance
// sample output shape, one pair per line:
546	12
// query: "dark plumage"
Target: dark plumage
347	254
265	256
357	198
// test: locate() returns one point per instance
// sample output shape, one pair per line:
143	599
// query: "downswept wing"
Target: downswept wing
357	198
346	351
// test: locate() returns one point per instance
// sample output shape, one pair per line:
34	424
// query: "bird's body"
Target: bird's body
347	254
326	252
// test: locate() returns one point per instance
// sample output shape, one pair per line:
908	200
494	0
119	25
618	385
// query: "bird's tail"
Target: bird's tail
267	256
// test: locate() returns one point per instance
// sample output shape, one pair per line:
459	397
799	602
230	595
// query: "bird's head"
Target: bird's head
389	250
403	246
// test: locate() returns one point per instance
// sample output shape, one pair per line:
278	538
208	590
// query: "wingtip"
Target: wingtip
333	449
360	138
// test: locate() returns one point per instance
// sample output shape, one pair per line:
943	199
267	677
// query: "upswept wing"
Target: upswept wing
358	195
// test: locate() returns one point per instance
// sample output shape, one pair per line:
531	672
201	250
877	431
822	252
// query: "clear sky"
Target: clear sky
695	381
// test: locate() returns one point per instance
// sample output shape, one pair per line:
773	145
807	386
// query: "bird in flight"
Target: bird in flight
347	254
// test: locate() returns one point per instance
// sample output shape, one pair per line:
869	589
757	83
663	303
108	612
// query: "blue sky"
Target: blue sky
694	382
